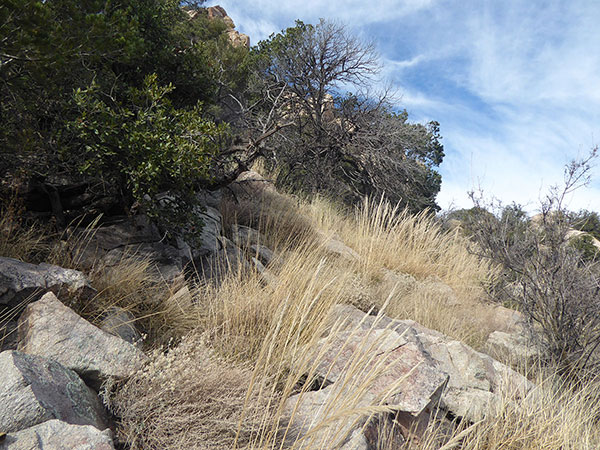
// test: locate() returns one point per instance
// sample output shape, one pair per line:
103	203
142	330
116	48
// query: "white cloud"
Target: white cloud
281	14
515	85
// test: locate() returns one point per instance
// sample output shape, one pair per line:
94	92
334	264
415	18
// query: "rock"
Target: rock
120	322
475	379
20	281
55	434
509	320
211	232
264	254
245	236
415	397
49	328
238	39
213	268
511	347
8	335
182	298
334	246
210	198
165	260
218	12
35	389
250	186
138	238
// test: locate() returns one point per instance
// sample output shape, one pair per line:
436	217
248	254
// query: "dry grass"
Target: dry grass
242	311
187	398
554	416
18	240
254	341
433	277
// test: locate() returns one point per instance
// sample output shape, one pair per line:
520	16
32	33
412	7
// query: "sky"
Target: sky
515	85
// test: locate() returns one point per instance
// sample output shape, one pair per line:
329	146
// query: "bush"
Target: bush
186	399
145	146
546	277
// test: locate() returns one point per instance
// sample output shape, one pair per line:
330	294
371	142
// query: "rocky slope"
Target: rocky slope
53	366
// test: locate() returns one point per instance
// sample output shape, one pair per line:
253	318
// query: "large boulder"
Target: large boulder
384	368
55	434
476	380
21	281
35	389
138	238
49	328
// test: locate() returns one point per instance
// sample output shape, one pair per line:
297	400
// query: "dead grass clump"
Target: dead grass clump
131	285
17	240
279	218
186	399
416	245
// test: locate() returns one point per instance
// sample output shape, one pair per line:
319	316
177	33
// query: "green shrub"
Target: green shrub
143	146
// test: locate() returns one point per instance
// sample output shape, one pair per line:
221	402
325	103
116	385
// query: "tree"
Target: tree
74	82
320	137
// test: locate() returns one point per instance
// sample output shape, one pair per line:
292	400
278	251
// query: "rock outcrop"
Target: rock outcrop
389	371
50	329
475	379
21	283
236	38
34	389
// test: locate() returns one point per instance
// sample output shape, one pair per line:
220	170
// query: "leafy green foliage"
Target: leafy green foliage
112	90
144	144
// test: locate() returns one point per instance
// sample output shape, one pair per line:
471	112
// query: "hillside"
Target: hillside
304	326
210	245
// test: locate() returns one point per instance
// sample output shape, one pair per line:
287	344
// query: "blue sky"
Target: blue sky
515	85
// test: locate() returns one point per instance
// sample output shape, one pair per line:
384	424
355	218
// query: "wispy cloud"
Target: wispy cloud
515	85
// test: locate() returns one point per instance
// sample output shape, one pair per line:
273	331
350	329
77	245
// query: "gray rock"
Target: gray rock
245	236
509	321
210	234
166	262
475	379
20	281
58	435
262	253
91	245
230	259
514	347
49	328
8	335
120	322
210	198
36	389
334	246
